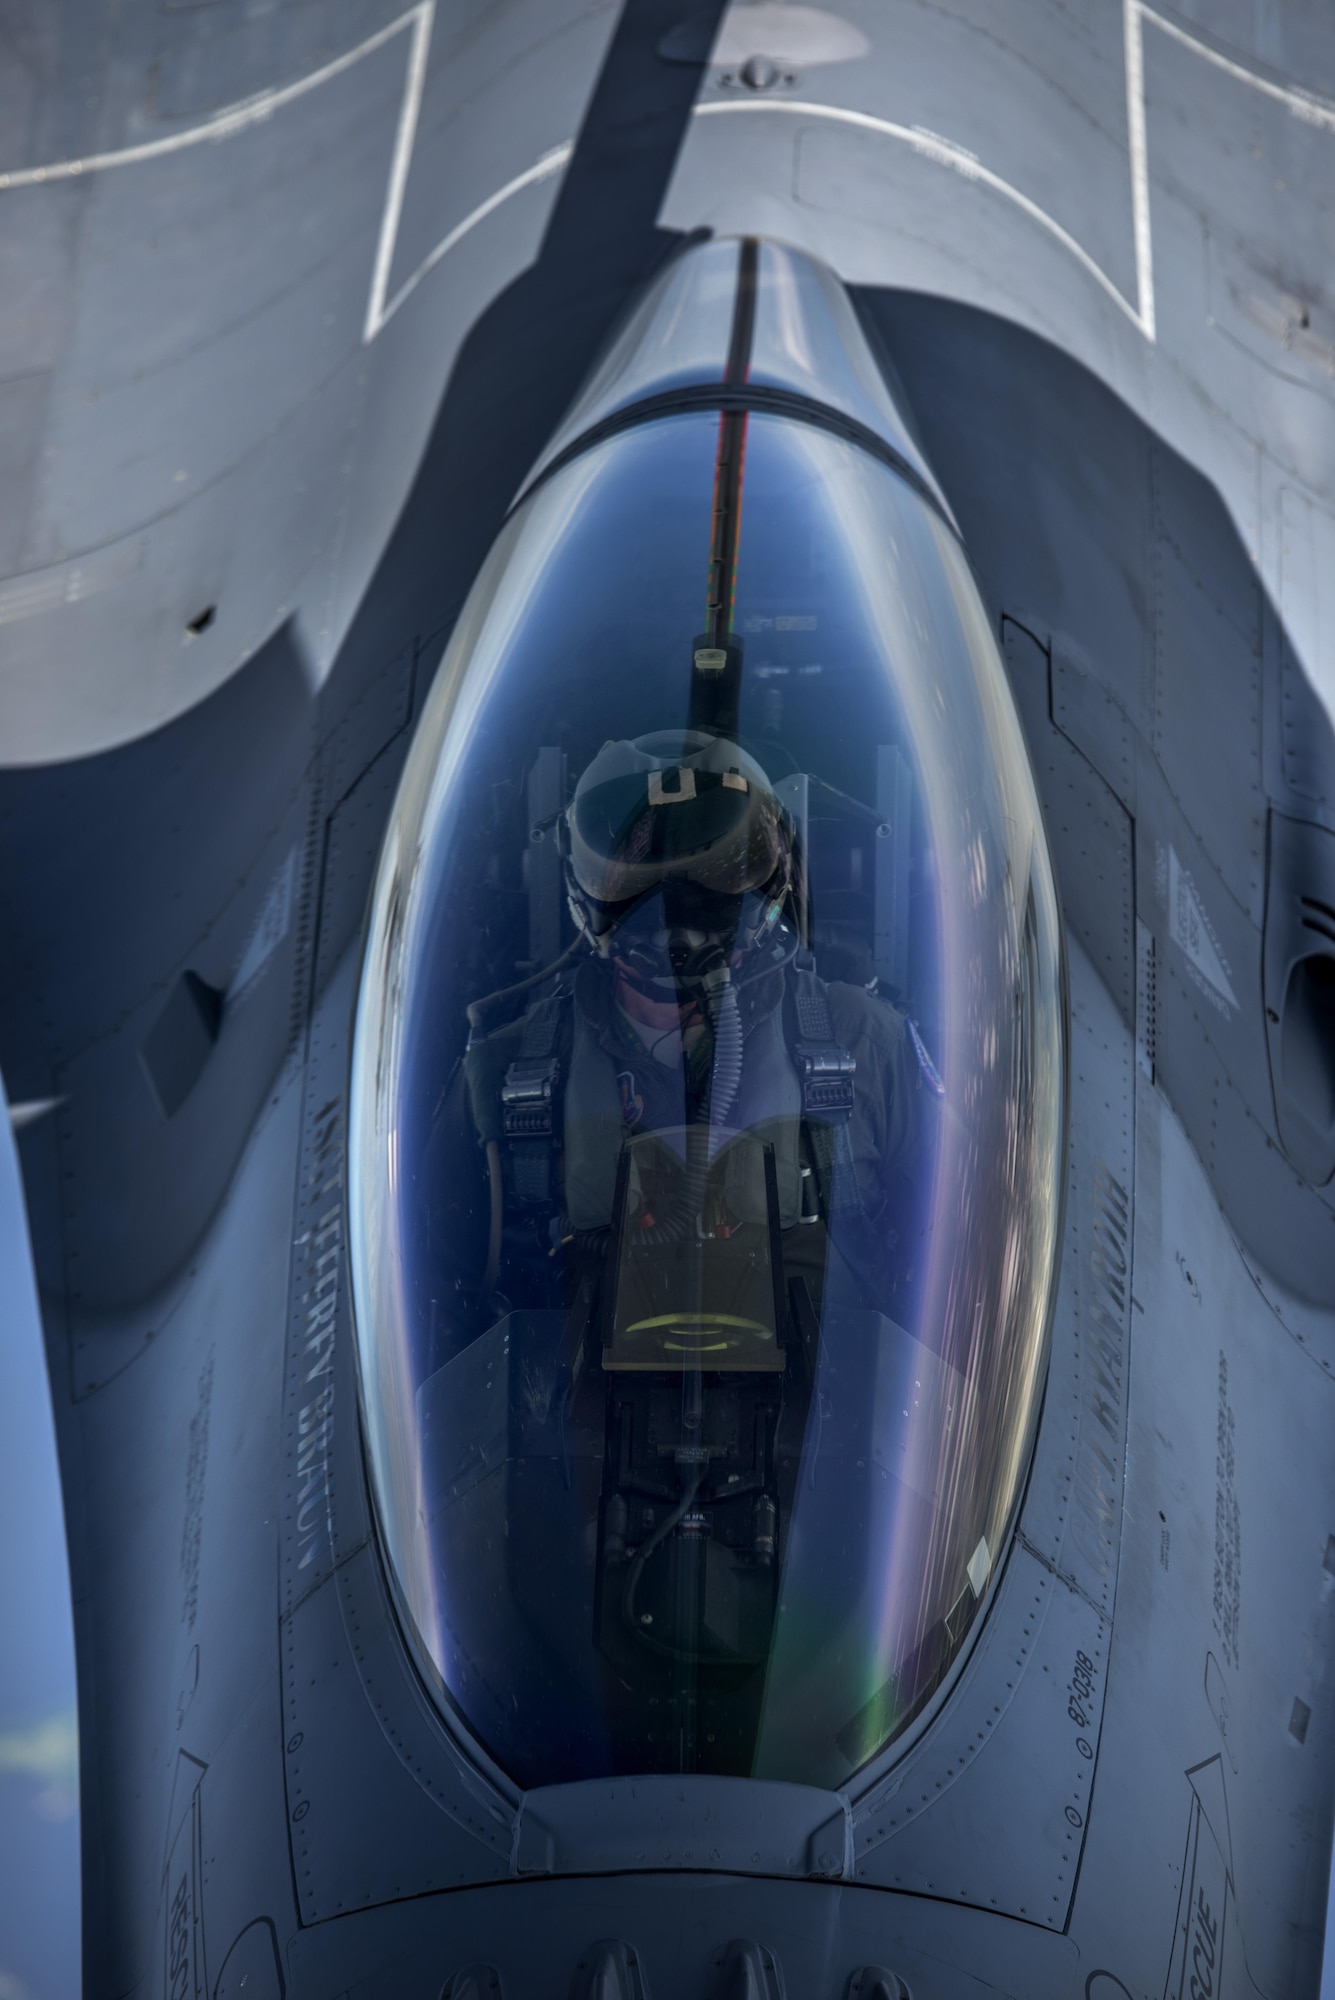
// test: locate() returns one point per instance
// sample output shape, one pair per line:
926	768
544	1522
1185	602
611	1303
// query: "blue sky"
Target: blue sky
39	1769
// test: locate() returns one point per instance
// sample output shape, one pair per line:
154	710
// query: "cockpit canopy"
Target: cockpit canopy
706	1117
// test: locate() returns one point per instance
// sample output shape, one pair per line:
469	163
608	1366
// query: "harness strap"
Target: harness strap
826	1070
531	1098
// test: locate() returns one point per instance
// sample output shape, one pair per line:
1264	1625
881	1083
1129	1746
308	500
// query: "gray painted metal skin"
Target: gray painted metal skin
1127	1789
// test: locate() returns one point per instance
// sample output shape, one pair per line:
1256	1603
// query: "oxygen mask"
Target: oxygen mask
674	954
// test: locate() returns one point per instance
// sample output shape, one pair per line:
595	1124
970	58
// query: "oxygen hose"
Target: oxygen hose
666	1526
478	1011
725	1022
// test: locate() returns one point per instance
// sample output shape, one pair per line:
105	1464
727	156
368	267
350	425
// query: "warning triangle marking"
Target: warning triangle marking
1193	931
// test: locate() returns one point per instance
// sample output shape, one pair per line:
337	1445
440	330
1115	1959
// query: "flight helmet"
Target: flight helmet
679	857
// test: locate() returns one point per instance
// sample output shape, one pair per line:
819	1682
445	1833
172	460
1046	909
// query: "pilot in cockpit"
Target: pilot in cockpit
689	1117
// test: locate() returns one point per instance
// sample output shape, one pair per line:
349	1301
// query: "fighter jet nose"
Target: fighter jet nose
701	1299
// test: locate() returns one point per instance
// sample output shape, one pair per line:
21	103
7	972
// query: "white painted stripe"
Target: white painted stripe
419	19
1134	54
550	163
255	110
1300	103
1303	104
947	154
398	170
233	118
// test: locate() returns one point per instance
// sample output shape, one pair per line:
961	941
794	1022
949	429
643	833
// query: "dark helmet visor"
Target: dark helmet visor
685	809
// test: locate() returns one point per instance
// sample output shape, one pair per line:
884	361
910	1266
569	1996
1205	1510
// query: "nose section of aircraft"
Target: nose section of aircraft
701	1310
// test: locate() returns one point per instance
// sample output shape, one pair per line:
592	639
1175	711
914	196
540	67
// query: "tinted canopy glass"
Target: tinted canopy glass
701	1282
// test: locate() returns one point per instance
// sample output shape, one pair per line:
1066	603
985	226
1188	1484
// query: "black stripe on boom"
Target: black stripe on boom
738	365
